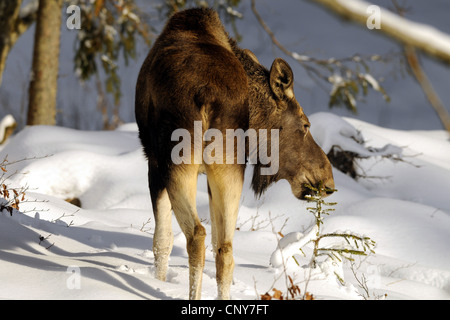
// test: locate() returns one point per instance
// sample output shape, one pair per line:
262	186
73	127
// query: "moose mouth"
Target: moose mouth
309	190
305	194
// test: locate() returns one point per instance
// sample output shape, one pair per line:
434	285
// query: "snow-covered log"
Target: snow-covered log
428	39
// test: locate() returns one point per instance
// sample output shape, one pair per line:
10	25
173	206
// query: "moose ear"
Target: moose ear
282	79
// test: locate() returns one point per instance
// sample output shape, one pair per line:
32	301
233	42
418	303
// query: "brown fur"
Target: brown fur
195	72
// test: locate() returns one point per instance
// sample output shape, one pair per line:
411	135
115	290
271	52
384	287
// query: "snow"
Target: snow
51	249
7	121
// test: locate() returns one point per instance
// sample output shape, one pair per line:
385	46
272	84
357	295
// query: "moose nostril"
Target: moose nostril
329	191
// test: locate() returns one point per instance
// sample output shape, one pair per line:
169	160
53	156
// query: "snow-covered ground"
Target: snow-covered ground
54	250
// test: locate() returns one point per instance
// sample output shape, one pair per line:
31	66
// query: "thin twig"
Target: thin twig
427	87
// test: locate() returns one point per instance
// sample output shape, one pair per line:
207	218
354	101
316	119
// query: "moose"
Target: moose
195	73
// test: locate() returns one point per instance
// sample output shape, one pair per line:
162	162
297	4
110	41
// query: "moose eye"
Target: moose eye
303	128
306	127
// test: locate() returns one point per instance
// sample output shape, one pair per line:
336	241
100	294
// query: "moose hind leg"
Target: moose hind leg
163	236
225	189
182	195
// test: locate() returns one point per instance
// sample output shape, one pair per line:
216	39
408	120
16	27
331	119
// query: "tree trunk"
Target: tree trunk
13	23
44	77
9	12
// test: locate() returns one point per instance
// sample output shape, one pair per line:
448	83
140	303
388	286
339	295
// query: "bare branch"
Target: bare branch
427	87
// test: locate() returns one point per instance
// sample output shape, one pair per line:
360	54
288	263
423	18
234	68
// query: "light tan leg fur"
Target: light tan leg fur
182	193
163	237
225	187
